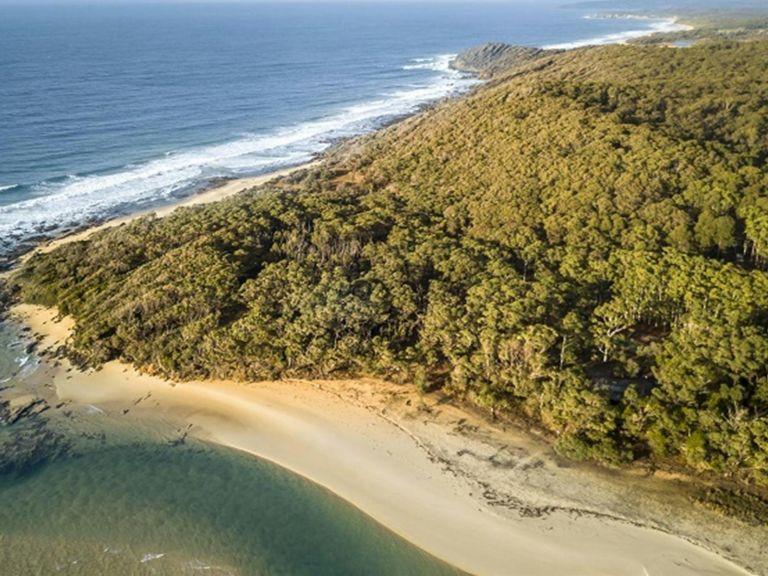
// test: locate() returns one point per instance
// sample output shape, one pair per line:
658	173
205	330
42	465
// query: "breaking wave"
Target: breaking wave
55	206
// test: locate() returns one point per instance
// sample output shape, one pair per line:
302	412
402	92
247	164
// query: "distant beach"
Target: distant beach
213	194
657	25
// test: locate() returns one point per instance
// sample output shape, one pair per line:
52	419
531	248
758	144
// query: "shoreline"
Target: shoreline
230	187
485	499
213	193
665	25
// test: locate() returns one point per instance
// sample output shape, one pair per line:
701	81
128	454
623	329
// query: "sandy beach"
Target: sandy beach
487	499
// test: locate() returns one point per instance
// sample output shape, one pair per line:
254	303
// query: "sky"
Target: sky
107	2
756	4
28	2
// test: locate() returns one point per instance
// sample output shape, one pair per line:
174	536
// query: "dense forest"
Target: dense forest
583	242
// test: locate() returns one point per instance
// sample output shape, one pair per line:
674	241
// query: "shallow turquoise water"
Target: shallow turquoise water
126	501
158	509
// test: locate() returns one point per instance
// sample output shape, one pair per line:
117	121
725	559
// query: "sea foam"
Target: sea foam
150	557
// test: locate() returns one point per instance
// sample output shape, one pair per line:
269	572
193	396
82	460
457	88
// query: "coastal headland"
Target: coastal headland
473	486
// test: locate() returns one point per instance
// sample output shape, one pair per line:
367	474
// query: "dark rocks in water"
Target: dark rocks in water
6	296
490	59
30	447
12	410
179	441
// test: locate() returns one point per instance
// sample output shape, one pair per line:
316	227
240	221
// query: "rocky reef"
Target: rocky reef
28	444
13	409
27	439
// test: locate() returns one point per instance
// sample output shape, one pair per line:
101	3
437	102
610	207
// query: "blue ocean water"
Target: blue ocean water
111	109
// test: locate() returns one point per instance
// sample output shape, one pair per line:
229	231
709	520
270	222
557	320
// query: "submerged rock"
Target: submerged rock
25	448
14	409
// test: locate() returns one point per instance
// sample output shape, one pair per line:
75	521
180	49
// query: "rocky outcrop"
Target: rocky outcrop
13	409
490	59
27	447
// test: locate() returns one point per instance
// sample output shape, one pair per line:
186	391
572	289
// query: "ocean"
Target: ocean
111	109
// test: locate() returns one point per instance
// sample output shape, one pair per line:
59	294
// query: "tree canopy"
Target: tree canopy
595	222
